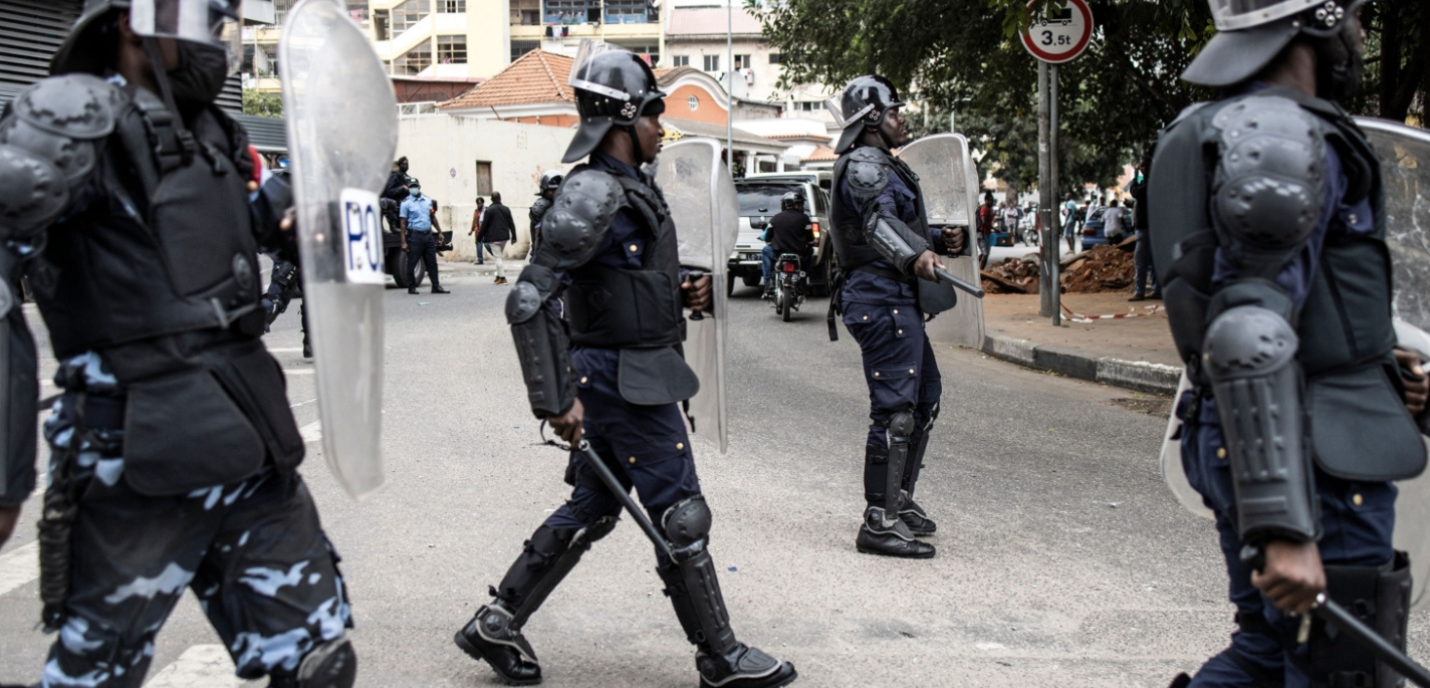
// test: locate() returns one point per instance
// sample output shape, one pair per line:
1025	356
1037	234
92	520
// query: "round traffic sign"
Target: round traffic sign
1060	36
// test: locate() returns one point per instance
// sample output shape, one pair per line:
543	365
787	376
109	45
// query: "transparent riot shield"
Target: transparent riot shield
342	128
1173	473
703	205
950	186
1404	154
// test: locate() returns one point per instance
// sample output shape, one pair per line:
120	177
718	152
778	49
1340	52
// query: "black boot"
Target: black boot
889	537
744	667
915	518
490	638
439	290
1181	681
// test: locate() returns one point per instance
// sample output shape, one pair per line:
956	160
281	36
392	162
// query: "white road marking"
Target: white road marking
312	432
201	666
297	371
19	567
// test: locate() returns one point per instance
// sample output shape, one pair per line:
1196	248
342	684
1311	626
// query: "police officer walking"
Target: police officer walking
550	182
418	221
885	248
127	202
1267	227
609	247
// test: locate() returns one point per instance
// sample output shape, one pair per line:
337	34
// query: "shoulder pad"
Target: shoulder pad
866	175
1272	167
32	191
1187	112
79	106
73	158
538	209
580	215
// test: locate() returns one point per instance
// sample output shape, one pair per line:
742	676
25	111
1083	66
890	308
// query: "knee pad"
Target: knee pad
1380	597
330	665
901	426
687	521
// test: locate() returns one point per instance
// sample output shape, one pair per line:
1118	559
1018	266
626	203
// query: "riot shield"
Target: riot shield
703	205
342	128
950	186
1173	473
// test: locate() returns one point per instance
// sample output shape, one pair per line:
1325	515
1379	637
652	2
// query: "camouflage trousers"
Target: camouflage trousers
253	552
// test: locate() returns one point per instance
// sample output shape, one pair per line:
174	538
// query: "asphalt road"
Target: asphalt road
1063	561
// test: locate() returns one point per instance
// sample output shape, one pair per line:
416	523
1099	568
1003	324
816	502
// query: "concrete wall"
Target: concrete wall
438	145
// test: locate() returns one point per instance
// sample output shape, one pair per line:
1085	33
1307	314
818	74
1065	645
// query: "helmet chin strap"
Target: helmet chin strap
166	92
636	151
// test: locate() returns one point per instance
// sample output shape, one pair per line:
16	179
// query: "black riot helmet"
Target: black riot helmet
863	103
550	181
1252	33
90	45
792	201
614	88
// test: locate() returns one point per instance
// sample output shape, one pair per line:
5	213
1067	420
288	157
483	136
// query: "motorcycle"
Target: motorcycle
790	282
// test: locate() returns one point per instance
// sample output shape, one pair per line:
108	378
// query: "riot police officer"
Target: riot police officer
550	182
136	208
286	283
1267	225
612	373
886	251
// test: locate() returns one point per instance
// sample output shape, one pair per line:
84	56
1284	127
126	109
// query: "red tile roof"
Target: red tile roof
822	154
536	77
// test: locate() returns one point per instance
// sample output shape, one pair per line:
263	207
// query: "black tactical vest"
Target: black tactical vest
850	247
1359	426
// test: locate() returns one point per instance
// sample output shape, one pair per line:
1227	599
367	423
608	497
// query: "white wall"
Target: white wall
435	145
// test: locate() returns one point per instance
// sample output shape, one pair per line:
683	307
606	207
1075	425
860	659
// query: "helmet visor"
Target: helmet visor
213	22
843	120
1233	15
581	70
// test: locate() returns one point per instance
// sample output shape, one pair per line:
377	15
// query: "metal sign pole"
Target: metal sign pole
1055	242
1048	288
730	86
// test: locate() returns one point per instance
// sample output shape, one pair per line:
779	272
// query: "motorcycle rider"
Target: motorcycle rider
885	247
550	182
1265	209
790	231
611	372
136	208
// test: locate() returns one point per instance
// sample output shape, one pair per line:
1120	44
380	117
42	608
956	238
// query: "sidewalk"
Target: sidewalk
1134	352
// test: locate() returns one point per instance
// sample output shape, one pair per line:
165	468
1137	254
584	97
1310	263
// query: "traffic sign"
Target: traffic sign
1059	36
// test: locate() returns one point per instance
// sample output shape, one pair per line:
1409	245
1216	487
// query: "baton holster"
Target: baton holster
1380	597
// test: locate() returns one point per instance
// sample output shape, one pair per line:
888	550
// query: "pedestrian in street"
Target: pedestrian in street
986	214
1011	215
1070	224
1114	225
550	182
498	229
1144	275
419	225
885	247
1297	421
476	231
174	451
614	267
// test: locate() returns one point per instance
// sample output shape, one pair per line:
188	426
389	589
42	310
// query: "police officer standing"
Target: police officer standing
885	247
609	248
1266	225
136	208
550	182
418	223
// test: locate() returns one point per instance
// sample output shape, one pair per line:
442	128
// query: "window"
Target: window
680	61
628	12
452	49
381	21
484	179
453	6
693	102
280	10
774	58
573	11
414	61
526	12
742	62
357	9
712	63
808	105
409	13
519	48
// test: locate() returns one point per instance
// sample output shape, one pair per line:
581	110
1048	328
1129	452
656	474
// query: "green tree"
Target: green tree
261	104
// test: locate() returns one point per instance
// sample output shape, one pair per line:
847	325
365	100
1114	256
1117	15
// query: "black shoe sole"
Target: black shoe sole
474	653
780	684
882	553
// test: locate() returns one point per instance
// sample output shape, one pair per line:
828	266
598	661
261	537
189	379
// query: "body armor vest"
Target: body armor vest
165	246
850	247
1345	327
614	308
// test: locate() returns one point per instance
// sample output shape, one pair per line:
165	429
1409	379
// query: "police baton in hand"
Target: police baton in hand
1334	614
695	276
619	491
946	276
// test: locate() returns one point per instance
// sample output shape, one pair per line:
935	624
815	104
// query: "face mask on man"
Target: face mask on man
201	73
416	191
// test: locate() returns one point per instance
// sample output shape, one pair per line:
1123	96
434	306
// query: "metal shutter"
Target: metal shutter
31	31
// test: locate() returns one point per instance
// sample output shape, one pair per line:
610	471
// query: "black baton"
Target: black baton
694	276
1337	616
947	276
609	479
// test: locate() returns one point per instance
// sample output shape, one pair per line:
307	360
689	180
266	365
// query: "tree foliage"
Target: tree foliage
262	104
966	57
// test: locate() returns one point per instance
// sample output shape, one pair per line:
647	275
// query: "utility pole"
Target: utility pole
1047	287
730	86
1055	266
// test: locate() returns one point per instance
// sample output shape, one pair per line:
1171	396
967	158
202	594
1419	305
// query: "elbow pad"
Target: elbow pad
894	241
542	344
1250	355
19	370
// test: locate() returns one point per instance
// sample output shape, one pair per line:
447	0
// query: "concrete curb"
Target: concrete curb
1142	376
